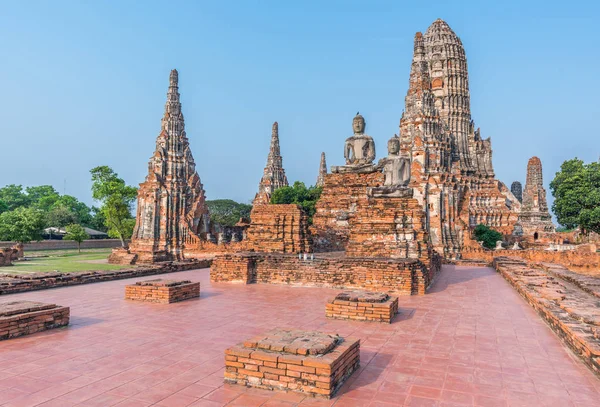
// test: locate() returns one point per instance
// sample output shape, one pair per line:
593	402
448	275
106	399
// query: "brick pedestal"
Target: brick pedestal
162	291
20	318
308	362
362	306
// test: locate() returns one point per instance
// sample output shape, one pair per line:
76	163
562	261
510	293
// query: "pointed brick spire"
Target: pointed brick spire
322	171
274	174
163	225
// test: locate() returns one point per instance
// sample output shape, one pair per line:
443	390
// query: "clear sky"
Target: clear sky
83	83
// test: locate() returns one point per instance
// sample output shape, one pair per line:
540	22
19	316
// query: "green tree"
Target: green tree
576	191
60	216
487	235
298	194
116	200
3	207
227	212
82	212
14	196
77	234
42	197
98	221
22	225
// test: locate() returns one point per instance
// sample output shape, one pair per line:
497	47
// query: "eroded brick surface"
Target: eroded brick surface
162	291
18	318
308	362
362	306
569	305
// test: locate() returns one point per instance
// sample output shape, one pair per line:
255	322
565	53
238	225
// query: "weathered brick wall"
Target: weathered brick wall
17	283
577	260
404	276
67	244
234	268
342	194
278	229
568	306
35	317
388	227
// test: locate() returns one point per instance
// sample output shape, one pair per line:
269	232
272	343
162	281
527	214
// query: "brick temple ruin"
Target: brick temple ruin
398	216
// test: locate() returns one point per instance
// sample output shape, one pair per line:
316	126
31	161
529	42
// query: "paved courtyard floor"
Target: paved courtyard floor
471	341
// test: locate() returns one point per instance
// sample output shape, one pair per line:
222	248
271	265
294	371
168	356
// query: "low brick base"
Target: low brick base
401	276
20	318
311	363
362	306
162	291
568	302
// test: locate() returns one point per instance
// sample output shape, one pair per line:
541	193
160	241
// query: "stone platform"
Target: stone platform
162	291
567	301
401	276
362	306
20	318
308	362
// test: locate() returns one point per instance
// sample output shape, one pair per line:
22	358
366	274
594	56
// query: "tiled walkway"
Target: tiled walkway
472	341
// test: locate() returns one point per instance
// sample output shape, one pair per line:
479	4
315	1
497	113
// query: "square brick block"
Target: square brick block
20	318
308	362
362	306
162	291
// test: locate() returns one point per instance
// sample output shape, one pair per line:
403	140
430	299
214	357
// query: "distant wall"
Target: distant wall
66	244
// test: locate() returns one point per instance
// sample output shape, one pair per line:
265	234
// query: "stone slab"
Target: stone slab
162	291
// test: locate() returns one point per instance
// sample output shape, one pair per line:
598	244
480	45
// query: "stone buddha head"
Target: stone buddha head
358	124
394	145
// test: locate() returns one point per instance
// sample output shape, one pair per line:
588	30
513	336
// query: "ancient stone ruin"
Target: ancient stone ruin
535	219
162	291
309	362
361	305
273	174
171	208
322	171
20	318
517	190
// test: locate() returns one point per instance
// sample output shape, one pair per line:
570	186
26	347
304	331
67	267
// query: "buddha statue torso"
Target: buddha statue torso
359	149
396	171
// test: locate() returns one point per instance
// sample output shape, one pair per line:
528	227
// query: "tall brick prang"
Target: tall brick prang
534	217
273	174
171	205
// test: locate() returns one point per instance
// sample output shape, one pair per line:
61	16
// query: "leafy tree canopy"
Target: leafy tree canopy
14	196
576	191
22	225
3	206
77	234
227	212
298	194
116	200
487	235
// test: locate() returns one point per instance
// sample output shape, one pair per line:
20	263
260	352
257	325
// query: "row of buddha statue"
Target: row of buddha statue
359	152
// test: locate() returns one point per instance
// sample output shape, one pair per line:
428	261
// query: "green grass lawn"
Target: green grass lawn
63	261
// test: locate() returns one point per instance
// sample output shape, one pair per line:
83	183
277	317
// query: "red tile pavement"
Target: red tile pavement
472	341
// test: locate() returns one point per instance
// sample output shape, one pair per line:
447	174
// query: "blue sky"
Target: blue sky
84	83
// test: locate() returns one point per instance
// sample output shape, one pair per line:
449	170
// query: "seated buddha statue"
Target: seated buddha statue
396	172
359	150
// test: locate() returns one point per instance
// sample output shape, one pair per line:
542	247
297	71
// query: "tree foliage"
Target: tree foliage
298	194
14	196
116	200
227	212
77	234
576	191
487	235
22	225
